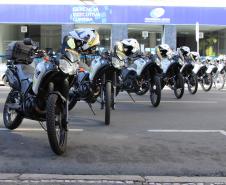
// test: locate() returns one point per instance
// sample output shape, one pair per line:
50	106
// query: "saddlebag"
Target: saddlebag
19	52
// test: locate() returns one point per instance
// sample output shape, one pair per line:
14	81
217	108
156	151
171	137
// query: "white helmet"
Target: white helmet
195	55
185	50
220	58
85	38
130	46
163	50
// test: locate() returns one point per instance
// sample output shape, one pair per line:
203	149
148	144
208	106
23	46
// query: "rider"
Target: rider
81	41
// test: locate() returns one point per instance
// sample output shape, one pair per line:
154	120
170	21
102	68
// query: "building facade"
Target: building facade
153	23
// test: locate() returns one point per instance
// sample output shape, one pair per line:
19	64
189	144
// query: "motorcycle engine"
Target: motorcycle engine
129	80
84	89
29	104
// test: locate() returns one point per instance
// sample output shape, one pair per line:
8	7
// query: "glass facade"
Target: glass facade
147	36
213	42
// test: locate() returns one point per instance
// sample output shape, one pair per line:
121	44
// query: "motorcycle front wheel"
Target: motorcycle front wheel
155	91
11	118
55	123
107	102
179	86
192	83
207	82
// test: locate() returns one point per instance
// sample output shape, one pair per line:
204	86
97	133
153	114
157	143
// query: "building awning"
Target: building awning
110	14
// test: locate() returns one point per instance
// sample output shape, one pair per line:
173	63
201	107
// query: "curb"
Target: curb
122	178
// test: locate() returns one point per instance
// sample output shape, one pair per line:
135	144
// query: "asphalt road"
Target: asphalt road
184	137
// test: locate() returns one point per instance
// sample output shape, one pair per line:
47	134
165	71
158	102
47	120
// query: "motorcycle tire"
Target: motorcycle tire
155	91
56	129
219	81
7	114
192	83
107	102
71	101
207	80
179	86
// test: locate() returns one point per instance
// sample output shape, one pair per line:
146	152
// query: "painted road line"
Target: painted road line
223	132
146	101
36	129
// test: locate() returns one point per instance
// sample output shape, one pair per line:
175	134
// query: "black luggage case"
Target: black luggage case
19	52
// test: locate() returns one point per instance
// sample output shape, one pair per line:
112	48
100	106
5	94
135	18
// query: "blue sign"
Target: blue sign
65	14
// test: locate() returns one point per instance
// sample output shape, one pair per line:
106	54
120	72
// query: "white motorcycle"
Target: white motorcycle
42	98
218	74
190	77
205	79
140	76
101	81
171	75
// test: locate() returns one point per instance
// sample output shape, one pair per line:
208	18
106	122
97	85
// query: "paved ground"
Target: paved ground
184	137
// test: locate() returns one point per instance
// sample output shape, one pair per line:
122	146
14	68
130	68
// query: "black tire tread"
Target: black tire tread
157	82
50	123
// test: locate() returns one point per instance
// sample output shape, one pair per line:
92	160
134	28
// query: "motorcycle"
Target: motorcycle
101	81
189	76
171	75
217	71
140	76
36	93
205	79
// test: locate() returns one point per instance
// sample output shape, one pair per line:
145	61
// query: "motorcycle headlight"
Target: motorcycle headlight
67	67
117	63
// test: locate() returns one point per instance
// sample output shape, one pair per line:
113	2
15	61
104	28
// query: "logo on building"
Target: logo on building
157	15
157	12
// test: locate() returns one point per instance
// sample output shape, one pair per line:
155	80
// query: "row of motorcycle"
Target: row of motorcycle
46	85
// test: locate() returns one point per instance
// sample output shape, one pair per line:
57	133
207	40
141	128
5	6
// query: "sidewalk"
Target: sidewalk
54	179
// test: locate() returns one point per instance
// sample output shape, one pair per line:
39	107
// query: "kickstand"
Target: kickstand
90	106
131	97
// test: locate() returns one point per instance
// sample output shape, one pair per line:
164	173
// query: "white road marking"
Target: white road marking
37	129
223	132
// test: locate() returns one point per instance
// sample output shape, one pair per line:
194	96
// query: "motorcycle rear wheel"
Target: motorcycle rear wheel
143	90
207	82
192	83
56	126
11	118
219	81
179	86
